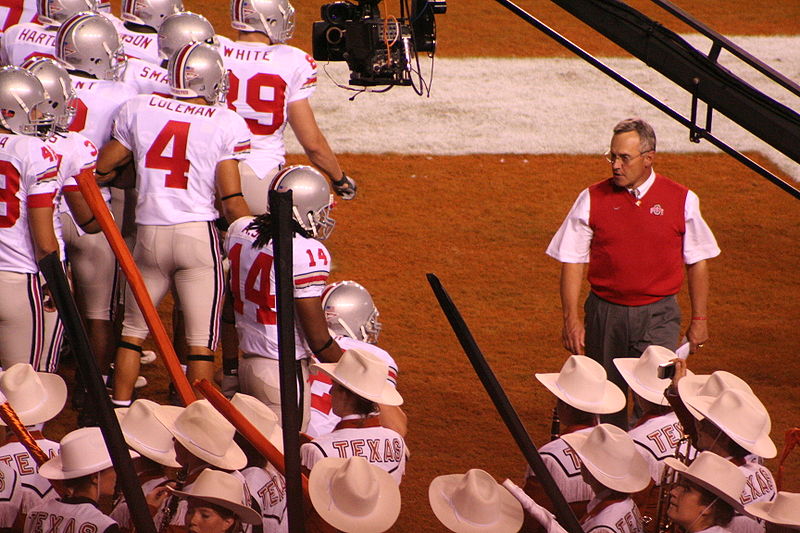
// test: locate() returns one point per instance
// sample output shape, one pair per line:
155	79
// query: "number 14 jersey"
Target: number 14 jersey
253	287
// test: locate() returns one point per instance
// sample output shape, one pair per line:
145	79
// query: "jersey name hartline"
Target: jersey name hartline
177	107
36	37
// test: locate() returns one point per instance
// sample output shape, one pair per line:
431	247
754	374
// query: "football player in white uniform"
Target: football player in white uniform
249	248
140	22
77	155
177	30
360	386
29	184
185	149
271	83
353	318
32	39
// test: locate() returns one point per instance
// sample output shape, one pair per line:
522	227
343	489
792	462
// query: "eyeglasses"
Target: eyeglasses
624	158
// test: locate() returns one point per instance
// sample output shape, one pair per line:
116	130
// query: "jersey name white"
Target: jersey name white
177	147
27	40
264	80
380	446
253	286
28	178
323	420
268	487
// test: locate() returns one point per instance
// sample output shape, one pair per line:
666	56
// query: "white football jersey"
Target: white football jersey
97	103
27	40
34	488
268	487
68	514
380	446
16	11
146	78
565	468
28	178
176	147
253	286
656	439
139	45
76	154
323	420
10	496
264	79
613	516
760	487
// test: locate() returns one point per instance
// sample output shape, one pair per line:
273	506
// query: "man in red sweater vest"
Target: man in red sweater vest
636	230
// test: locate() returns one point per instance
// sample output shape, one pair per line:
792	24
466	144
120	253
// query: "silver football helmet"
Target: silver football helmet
58	85
311	198
184	28
24	103
196	69
149	12
55	12
89	42
350	311
274	18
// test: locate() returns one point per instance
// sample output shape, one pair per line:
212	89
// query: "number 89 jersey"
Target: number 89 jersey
264	80
253	287
177	146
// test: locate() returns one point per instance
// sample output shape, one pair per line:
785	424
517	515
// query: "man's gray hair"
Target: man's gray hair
647	137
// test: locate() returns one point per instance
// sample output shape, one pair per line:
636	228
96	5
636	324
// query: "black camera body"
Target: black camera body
377	51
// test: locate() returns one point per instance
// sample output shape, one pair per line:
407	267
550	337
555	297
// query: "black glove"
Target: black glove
345	187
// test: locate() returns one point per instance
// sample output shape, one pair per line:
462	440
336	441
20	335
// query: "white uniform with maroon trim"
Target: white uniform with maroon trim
253	287
26	40
28	178
34	488
146	78
10	496
177	147
614	516
16	11
268	487
565	467
323	420
380	446
67	515
656	438
760	487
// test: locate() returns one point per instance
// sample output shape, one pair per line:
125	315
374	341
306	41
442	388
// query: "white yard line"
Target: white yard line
536	106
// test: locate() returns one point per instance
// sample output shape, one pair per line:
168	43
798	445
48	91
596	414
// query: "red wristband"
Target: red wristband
699	318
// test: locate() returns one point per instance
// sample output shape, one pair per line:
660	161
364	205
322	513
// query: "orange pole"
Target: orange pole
94	199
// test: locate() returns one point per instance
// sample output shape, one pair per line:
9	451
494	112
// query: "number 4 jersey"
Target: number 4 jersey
264	80
253	286
177	146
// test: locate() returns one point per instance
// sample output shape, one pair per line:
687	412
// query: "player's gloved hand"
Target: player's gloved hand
542	515
345	187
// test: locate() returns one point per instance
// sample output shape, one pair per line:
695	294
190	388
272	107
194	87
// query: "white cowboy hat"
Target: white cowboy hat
82	452
583	384
261	416
611	457
205	433
474	503
715	474
641	373
364	374
709	385
223	489
741	417
783	511
353	495
36	397
146	434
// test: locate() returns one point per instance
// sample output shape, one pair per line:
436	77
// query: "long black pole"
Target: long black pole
280	208
96	388
501	402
